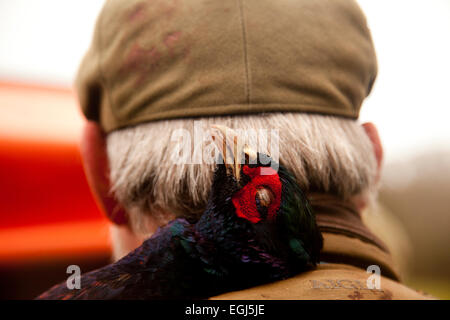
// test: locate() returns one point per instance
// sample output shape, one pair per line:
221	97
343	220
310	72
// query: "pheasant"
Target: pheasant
257	228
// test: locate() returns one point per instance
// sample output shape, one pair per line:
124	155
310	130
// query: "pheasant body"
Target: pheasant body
232	246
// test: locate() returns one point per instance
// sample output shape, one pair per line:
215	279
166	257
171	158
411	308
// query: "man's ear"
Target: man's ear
372	133
95	162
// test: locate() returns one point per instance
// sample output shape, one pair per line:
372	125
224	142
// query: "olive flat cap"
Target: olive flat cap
163	59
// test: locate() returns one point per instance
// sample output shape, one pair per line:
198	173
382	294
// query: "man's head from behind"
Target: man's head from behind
301	68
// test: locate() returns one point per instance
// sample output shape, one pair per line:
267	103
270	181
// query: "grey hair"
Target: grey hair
325	153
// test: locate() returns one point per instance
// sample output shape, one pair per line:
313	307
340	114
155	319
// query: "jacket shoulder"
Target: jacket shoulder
328	282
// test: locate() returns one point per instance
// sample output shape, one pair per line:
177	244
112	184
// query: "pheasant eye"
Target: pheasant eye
260	198
264	197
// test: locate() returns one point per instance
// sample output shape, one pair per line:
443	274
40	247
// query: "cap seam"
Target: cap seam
244	40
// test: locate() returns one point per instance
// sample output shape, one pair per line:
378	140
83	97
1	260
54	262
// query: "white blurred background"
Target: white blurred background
42	42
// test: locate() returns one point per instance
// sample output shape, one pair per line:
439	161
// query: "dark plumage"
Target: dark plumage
222	251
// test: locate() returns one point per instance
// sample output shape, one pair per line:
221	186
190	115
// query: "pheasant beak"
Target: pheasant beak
232	149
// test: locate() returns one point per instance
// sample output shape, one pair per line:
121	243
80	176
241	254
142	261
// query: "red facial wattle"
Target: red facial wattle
245	199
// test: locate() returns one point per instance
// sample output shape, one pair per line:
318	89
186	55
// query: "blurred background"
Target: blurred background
49	220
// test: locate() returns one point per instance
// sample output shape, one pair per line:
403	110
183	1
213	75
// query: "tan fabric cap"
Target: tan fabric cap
163	59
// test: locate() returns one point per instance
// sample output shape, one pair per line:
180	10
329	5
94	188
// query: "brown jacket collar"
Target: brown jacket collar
346	239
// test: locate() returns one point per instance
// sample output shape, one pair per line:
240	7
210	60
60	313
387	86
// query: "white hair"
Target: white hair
325	153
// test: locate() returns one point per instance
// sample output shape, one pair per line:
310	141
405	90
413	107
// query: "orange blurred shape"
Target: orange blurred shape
63	240
46	207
